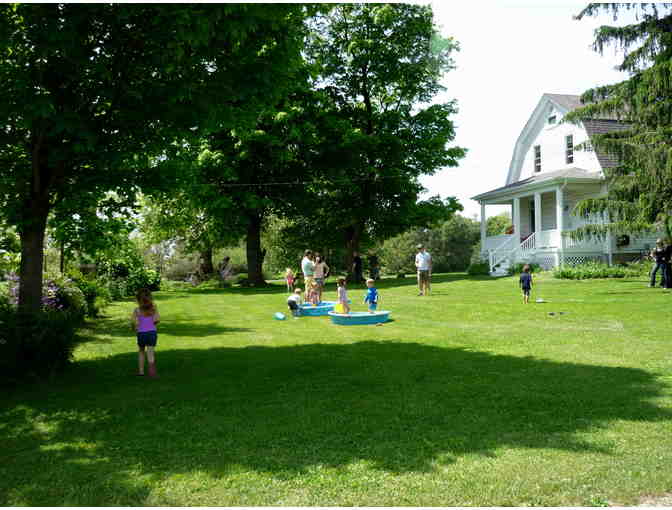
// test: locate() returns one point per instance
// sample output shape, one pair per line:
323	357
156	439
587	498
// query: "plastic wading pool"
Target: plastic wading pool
322	308
360	318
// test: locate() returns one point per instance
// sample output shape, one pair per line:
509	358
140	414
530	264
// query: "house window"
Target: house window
569	149
537	158
552	119
587	146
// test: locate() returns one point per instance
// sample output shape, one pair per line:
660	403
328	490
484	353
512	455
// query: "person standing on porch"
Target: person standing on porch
423	263
661	258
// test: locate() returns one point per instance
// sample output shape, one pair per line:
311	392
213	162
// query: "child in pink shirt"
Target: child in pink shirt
145	318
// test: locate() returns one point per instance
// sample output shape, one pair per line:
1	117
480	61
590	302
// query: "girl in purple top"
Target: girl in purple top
145	318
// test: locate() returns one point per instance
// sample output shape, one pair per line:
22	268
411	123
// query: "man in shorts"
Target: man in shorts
308	268
423	262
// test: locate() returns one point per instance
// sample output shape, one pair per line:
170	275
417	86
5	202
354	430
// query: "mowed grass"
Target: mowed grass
467	398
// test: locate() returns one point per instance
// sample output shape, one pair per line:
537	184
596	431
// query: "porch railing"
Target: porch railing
529	244
502	252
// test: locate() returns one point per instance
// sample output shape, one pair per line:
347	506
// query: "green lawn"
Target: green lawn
468	398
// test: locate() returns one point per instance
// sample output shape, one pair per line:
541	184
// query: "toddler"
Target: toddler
314	293
293	302
526	283
343	295
371	295
289	279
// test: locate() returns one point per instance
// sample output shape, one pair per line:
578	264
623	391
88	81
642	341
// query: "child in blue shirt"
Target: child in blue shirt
526	283
371	295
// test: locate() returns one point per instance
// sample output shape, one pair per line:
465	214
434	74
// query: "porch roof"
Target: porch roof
567	175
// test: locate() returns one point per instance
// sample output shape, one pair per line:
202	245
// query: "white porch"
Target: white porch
542	221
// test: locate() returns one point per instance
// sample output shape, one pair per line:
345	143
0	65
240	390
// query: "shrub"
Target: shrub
518	268
59	294
96	293
35	344
116	287
478	268
142	278
597	270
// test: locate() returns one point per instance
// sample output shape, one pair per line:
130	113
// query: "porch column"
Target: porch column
484	226
516	220
559	220
537	213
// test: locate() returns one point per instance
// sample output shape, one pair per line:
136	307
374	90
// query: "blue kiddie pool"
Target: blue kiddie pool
360	318
322	308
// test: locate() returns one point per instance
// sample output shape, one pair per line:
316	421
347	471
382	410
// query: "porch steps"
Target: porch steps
502	269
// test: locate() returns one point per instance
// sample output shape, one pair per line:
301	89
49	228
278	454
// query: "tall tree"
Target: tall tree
381	64
640	188
93	91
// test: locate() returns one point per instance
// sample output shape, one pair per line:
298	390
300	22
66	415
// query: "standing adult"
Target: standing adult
667	282
308	269
357	267
423	263
660	256
321	273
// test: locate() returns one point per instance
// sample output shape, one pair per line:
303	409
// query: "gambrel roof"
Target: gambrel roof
564	103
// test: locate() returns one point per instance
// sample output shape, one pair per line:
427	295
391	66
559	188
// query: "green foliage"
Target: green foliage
10	251
36	345
590	270
142	278
379	66
94	95
96	292
478	268
497	225
517	268
451	245
116	287
639	197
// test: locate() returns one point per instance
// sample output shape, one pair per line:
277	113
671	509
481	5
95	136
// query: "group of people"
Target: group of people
145	317
295	299
315	272
661	256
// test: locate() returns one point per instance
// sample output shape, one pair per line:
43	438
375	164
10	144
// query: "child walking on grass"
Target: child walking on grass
145	318
526	283
343	295
371	295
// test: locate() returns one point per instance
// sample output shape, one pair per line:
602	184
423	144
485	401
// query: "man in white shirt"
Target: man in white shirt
423	262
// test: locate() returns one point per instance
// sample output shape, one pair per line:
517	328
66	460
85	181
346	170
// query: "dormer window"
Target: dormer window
552	119
569	149
537	158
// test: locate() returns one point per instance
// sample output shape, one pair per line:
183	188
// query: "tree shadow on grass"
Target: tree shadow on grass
403	407
121	327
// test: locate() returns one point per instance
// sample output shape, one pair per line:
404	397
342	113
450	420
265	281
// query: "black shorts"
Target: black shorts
147	339
292	305
526	291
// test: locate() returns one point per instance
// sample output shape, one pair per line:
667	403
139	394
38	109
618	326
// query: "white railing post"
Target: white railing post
484	225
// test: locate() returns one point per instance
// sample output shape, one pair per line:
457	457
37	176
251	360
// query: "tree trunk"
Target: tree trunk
32	254
207	268
353	235
255	255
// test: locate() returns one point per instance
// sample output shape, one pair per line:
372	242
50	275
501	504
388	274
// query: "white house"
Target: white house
546	179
